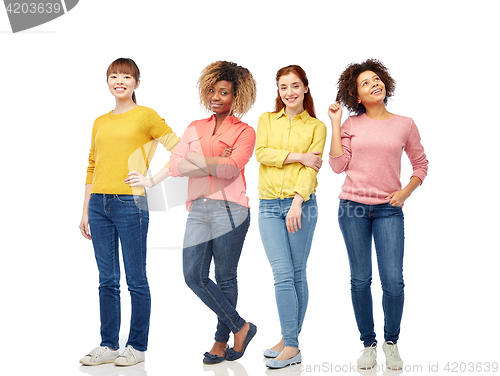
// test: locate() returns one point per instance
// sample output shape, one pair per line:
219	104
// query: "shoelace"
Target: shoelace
128	353
97	352
368	351
393	347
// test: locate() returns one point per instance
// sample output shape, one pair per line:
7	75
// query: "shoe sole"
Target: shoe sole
287	365
130	364
96	364
367	367
395	368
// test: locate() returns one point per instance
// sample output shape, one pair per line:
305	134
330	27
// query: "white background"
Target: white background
444	57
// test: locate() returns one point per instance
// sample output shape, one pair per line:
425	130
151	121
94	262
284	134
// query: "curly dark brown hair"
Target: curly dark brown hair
243	84
348	87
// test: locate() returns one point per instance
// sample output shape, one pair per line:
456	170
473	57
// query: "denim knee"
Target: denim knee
393	286
225	275
283	273
192	278
360	284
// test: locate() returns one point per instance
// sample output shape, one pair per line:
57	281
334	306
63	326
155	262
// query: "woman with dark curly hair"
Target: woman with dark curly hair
213	152
289	146
368	148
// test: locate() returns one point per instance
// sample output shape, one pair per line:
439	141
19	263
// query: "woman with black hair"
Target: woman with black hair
368	148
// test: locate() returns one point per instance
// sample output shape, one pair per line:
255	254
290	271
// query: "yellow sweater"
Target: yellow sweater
123	143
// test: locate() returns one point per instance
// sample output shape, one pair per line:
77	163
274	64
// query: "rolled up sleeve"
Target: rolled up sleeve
230	167
306	181
266	152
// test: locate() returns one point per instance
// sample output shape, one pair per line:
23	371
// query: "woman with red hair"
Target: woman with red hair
289	146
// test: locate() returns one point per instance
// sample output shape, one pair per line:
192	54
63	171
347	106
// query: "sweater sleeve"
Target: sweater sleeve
340	163
91	167
306	181
415	152
230	167
265	152
160	131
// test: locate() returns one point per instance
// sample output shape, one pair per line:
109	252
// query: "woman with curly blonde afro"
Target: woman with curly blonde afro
213	153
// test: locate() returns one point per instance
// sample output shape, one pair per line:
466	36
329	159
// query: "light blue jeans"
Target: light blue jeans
287	253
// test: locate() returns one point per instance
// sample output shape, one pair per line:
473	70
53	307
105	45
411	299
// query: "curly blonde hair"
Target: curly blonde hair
244	87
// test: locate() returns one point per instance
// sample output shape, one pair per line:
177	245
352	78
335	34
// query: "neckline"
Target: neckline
390	119
123	114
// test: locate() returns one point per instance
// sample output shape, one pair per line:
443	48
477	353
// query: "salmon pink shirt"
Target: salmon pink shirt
372	157
228	182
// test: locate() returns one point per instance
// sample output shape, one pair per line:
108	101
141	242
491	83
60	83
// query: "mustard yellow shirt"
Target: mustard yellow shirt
277	137
123	143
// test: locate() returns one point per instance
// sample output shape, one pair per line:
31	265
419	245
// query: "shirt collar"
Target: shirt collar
230	119
303	116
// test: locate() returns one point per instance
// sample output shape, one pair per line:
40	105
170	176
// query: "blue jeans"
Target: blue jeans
384	223
216	229
287	253
124	217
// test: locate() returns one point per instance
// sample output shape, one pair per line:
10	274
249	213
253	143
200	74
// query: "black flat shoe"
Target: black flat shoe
214	359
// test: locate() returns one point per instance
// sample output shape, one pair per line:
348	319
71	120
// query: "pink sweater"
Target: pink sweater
372	157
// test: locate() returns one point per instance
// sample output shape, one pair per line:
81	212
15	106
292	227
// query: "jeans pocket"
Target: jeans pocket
126	199
229	205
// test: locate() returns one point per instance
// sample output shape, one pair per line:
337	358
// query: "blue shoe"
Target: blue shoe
273	363
234	355
271	353
213	359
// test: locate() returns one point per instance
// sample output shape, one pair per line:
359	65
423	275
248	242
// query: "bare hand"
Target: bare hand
335	112
294	215
135	179
227	152
84	227
312	160
397	198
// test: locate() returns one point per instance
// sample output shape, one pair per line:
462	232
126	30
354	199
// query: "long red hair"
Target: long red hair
308	100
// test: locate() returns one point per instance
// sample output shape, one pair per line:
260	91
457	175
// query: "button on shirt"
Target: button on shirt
277	137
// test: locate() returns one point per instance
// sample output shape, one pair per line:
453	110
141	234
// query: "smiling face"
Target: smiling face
371	89
292	90
122	85
220	97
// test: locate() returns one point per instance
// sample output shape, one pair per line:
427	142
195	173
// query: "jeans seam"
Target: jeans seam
116	282
207	290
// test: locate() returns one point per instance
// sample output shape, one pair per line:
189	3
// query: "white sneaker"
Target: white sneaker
100	355
129	357
368	359
392	358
